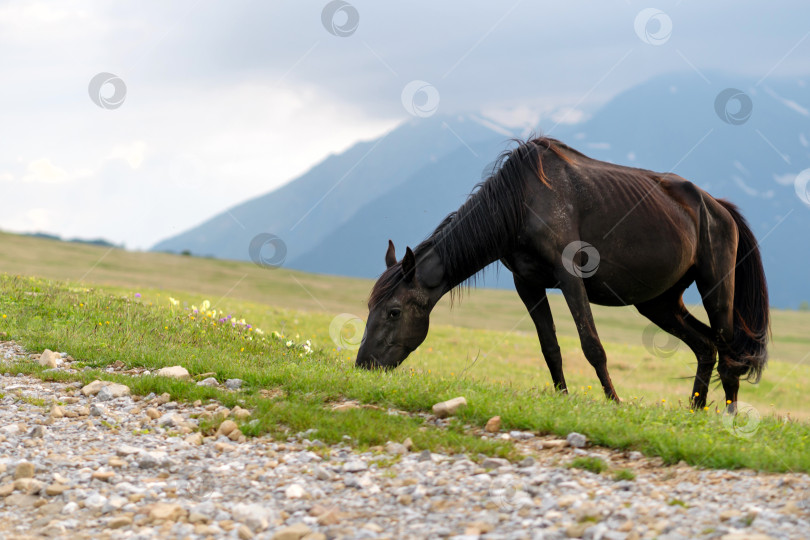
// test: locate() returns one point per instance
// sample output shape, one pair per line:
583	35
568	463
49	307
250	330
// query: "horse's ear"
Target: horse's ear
408	265
390	255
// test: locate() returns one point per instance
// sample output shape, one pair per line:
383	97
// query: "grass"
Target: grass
624	474
595	465
487	337
109	324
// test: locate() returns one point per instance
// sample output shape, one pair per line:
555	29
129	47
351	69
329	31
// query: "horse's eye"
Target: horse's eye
394	313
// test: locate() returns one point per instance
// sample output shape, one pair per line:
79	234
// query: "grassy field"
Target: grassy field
113	305
491	326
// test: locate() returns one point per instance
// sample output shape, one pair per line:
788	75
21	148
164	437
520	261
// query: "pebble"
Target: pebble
175	372
493	425
449	407
576	440
425	455
293	532
233	384
227	427
239	413
50	359
395	448
24	469
116	479
119	522
324	474
112	391
209	381
93	388
294	491
355	466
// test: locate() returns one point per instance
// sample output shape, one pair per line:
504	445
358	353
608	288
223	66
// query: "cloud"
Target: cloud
133	153
226	101
43	171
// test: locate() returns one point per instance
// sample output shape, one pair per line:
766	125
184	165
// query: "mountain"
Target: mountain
407	181
312	206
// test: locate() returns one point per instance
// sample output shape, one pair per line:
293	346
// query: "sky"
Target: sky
136	120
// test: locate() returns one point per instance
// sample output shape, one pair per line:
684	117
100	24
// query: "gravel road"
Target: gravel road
101	466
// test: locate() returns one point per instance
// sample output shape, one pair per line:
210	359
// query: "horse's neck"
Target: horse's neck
433	272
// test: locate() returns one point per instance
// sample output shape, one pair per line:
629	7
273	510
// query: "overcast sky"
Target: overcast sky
226	100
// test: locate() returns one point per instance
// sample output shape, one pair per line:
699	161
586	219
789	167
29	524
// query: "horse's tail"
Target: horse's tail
751	310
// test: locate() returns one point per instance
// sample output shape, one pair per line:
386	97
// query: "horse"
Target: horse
600	233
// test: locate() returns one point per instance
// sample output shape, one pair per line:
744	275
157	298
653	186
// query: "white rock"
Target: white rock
127	450
449	407
93	388
495	463
355	466
11	429
171	419
95	501
577	440
295	491
234	384
177	372
149	460
255	516
97	410
70	507
112	391
117	501
324	475
210	381
364	482
104	394
50	359
395	448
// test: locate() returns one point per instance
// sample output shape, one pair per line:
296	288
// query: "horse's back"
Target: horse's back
644	225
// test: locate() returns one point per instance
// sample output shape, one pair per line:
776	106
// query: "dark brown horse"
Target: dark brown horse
601	233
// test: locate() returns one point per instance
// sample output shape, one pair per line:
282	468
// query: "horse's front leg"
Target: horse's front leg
576	297
535	300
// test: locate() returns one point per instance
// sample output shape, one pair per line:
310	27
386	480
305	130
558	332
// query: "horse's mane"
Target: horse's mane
473	236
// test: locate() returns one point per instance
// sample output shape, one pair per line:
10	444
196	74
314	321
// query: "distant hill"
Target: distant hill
402	185
92	242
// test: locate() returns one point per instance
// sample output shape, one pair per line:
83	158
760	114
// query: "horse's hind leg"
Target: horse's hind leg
576	297
716	286
535	300
669	313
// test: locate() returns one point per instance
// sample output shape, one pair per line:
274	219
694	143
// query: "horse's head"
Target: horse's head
399	312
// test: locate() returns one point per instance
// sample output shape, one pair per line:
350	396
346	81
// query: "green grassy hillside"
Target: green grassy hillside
487	337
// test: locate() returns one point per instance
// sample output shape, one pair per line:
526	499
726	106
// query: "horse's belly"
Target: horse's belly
615	283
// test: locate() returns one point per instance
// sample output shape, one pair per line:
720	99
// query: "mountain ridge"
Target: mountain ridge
669	123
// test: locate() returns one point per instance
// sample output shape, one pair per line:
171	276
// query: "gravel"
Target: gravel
122	473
